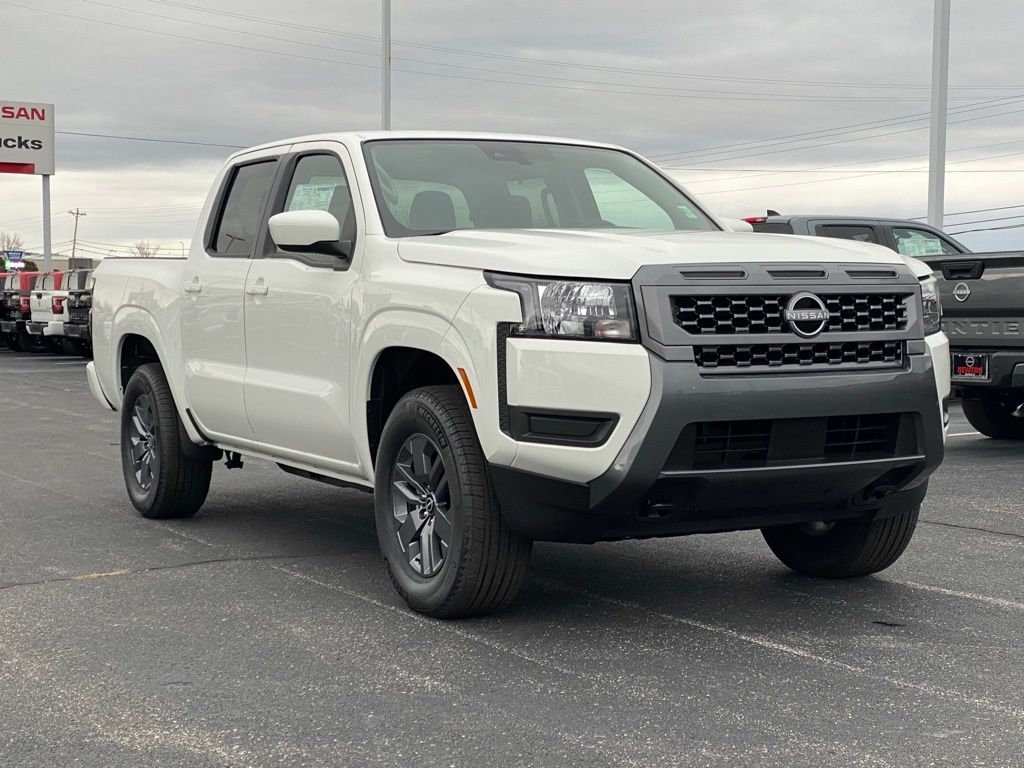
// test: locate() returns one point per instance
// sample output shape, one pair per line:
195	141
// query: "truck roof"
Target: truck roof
786	217
358	137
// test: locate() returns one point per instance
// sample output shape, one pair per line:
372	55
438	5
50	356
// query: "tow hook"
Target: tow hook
233	460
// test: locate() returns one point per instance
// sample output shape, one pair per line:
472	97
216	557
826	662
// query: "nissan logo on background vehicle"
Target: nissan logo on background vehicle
962	292
806	314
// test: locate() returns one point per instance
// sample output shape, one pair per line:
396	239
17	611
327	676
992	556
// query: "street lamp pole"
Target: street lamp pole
937	133
385	65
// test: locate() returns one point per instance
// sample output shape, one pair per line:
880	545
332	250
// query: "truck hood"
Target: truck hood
619	254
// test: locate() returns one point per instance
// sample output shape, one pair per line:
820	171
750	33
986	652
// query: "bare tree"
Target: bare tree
144	249
11	241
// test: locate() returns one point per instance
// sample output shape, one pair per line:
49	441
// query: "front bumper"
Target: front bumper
653	488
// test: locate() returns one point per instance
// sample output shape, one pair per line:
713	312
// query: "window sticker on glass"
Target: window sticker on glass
687	211
312	197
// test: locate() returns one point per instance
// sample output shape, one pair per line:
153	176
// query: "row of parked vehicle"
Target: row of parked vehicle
47	312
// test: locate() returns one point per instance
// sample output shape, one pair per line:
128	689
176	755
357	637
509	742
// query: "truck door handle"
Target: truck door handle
260	289
194	287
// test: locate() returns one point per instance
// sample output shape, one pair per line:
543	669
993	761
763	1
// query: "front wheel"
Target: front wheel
162	481
842	549
996	415
444	542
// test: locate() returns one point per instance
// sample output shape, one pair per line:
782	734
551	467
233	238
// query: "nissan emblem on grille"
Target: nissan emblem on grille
806	314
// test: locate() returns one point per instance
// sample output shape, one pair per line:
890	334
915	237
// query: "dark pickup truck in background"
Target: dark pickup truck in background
909	238
983	315
982	306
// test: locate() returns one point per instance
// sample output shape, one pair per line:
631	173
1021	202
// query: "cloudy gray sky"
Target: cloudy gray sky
797	105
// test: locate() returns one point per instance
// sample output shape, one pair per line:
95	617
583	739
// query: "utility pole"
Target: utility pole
937	132
182	244
385	65
74	238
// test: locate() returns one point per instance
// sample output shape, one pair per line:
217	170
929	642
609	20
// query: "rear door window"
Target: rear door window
47	283
920	242
242	212
860	232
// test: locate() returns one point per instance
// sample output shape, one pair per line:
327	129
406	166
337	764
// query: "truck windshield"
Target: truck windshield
434	186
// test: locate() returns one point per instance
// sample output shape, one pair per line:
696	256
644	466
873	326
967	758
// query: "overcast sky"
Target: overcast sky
675	80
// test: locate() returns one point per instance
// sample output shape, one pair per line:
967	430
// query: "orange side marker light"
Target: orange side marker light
468	386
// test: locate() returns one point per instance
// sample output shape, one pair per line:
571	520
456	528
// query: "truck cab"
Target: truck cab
909	238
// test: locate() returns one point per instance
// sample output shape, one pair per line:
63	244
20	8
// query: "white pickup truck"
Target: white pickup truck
510	338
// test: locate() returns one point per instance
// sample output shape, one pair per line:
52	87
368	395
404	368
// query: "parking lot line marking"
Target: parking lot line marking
999	601
963	434
102	575
37	370
767	643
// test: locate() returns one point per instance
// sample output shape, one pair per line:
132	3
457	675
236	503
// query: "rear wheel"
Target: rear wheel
996	415
842	549
53	345
162	481
73	347
445	544
29	343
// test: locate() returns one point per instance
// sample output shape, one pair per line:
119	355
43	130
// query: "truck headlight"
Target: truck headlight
571	309
931	306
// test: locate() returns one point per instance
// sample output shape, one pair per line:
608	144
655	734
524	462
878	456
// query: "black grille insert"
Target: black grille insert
725	444
763	313
750	444
861	437
850	354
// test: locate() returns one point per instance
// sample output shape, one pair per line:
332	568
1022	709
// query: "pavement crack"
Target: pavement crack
158	568
974	528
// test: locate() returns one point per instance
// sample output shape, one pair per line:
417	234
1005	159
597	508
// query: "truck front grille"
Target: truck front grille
763	313
714	445
847	354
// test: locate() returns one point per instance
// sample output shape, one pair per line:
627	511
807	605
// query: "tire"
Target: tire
482	565
53	345
993	415
73	347
29	343
847	549
171	485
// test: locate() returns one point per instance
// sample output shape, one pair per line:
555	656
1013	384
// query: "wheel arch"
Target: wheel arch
137	339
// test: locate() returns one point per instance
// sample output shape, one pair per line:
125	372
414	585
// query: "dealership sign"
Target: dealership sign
26	138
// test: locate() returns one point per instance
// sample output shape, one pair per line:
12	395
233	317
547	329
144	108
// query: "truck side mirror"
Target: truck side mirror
309	232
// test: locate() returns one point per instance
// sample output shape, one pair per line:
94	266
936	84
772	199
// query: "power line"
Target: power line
631	92
987	229
140	138
759	95
979	210
829	132
566	64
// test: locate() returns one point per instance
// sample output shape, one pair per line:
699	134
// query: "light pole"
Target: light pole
182	244
385	65
937	133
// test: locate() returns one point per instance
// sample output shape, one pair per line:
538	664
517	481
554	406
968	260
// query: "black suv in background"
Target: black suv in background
909	238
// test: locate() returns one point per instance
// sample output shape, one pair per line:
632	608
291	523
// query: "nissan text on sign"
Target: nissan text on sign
26	138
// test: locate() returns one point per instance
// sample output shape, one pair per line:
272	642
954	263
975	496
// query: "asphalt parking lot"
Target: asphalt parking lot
264	632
